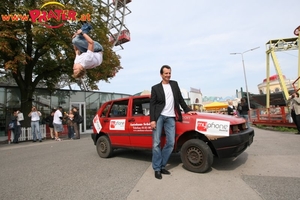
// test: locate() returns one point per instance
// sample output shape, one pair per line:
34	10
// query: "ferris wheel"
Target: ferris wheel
118	32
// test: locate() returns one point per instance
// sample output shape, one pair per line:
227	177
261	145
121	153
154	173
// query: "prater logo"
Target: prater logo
51	15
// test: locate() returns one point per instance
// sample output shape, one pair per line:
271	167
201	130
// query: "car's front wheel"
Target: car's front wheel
196	156
103	146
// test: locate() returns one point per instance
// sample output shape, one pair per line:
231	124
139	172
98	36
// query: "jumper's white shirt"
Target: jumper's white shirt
89	59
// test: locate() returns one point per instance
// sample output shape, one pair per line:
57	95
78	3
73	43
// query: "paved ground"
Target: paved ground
268	170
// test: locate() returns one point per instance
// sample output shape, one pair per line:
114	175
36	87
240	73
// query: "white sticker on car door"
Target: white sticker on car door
212	127
97	124
117	124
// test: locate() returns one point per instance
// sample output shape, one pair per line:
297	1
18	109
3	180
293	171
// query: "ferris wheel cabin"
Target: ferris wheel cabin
123	37
120	2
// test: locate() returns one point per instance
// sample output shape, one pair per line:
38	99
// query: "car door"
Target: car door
139	123
114	123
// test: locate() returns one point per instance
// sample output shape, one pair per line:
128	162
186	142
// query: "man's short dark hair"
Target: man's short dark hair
162	68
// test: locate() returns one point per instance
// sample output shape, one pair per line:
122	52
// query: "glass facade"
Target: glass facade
2	111
88	101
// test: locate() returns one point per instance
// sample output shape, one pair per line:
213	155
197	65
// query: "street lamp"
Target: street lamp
242	54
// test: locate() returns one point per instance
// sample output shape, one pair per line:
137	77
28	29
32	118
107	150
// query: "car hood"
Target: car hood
214	116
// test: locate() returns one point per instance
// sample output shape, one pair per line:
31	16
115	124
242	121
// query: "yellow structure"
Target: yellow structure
281	45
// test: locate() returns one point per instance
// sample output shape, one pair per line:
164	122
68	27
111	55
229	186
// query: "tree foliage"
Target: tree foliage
33	53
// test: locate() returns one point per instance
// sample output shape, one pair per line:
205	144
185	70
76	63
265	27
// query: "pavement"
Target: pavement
3	139
267	170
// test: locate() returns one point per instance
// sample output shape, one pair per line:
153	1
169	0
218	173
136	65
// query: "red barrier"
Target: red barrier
274	116
64	133
8	136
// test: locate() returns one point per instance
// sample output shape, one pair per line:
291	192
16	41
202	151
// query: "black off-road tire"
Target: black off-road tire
196	156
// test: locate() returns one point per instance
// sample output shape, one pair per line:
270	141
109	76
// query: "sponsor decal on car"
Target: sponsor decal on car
141	126
117	124
212	127
97	124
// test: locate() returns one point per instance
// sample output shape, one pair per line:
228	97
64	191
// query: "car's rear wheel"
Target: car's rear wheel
103	146
196	156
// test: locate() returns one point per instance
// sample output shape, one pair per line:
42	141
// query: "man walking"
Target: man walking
164	110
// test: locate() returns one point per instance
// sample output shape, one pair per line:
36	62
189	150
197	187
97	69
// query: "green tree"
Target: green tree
33	53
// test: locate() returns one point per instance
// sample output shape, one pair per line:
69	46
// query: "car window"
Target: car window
119	109
105	110
141	107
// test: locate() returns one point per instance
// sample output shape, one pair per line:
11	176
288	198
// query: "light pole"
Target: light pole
242	54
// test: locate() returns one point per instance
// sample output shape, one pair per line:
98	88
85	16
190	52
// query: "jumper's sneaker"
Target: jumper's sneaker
86	27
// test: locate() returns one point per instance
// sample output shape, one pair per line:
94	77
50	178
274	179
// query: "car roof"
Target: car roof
131	97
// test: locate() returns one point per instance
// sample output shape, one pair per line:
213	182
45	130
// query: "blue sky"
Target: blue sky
196	38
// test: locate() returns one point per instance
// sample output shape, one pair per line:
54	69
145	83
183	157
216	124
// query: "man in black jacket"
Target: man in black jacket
243	110
164	110
77	120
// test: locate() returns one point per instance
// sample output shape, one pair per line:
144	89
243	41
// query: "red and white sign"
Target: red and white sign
212	127
117	124
97	124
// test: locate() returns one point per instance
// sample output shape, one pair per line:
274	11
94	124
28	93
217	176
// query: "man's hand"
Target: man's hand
78	32
153	124
192	112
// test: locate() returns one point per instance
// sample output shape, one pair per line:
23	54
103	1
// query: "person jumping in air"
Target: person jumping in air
89	53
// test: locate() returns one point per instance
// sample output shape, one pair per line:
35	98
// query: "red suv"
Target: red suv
125	123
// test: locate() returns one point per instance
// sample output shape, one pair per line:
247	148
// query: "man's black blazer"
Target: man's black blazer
158	101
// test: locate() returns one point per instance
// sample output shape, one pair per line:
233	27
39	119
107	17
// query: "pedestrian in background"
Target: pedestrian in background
164	110
69	118
57	123
77	120
295	109
243	109
35	124
17	126
49	120
231	109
